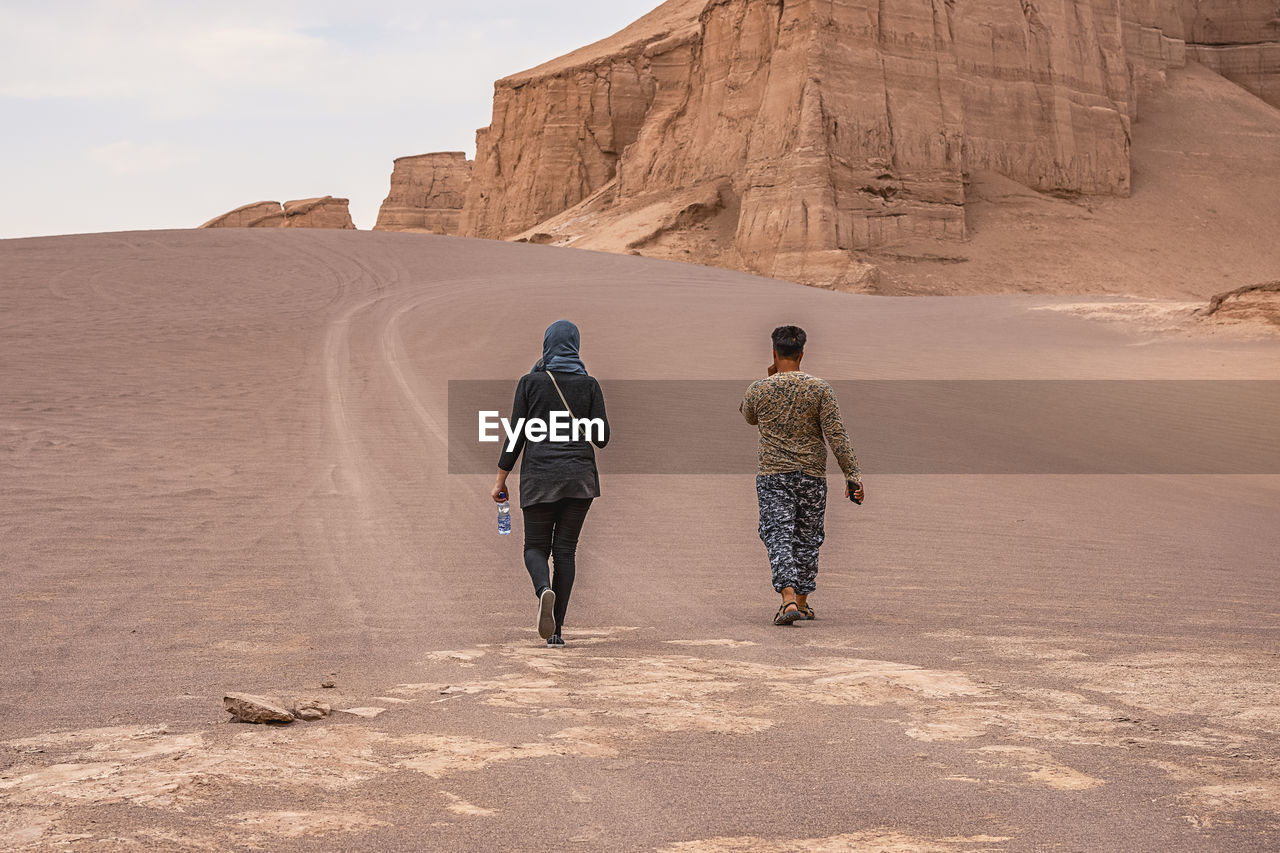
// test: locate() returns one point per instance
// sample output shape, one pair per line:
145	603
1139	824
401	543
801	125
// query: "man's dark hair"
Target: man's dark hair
789	341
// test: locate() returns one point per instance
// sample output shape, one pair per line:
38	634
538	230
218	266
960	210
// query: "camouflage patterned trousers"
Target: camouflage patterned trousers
792	509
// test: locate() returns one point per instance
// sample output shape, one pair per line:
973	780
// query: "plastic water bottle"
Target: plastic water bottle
504	515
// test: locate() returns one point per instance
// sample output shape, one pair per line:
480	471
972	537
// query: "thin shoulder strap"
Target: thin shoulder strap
561	393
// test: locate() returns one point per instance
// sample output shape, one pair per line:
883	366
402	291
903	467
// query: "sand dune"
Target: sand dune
223	466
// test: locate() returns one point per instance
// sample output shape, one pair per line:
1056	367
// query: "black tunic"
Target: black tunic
554	470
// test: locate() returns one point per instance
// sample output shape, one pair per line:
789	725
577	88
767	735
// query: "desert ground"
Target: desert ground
223	467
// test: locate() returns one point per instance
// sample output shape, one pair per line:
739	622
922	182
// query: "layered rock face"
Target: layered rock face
1239	39
801	139
1255	67
322	212
1222	22
1253	302
824	127
427	194
1154	43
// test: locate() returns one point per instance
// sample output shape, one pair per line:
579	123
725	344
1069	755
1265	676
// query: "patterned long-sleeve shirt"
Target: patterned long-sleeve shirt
798	416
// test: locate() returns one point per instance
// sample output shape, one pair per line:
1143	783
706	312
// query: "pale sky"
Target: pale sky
138	114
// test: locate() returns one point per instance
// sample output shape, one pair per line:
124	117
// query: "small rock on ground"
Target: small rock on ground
255	709
310	709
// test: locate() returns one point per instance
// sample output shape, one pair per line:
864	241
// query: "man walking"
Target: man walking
798	416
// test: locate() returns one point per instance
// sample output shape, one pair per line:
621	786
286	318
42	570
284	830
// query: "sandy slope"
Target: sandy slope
222	467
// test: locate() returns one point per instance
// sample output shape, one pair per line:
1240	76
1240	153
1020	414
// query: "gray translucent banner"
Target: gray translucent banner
928	426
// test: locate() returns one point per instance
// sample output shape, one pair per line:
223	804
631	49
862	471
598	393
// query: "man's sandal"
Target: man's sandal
786	617
807	612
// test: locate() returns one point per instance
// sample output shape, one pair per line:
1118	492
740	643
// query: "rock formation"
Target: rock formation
1255	67
1225	22
825	128
323	212
1153	42
789	138
1253	302
259	214
427	193
255	709
1239	39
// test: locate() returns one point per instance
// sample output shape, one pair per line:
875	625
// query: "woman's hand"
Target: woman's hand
500	492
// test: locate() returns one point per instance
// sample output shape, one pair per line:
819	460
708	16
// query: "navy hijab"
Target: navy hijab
560	350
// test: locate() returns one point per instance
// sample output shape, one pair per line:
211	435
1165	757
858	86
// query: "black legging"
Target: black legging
551	531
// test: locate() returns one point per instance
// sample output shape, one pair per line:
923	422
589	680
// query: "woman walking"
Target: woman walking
558	479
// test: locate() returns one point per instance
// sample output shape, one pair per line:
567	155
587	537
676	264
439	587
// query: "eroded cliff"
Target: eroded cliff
1239	39
427	194
814	139
823	127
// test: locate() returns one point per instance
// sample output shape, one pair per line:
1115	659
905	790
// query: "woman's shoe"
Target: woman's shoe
546	614
555	640
785	616
807	612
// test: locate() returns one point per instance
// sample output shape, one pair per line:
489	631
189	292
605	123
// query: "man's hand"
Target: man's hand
858	494
500	492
